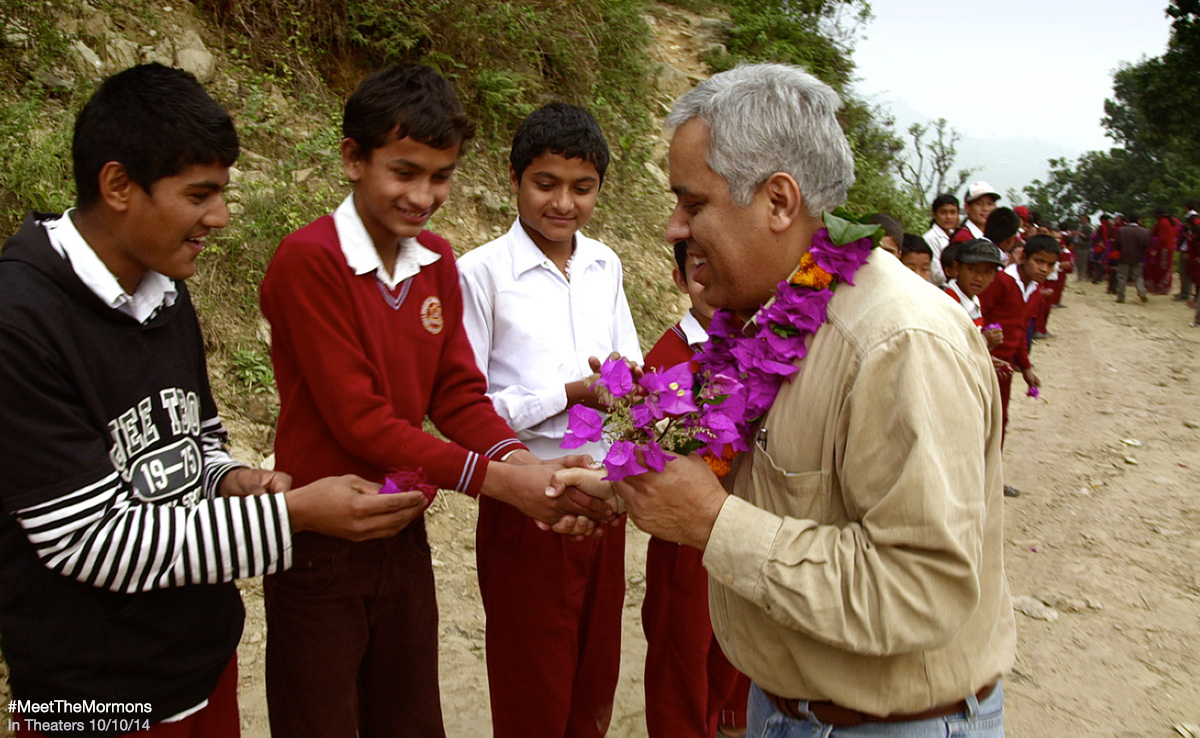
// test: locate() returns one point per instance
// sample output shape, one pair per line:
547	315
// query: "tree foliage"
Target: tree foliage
927	167
1152	120
814	34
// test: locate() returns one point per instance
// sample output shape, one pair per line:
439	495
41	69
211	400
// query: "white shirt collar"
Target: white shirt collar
526	255
963	300
976	231
362	256
1026	289
693	332
154	292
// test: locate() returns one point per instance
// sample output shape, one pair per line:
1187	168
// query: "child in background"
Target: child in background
976	264
367	342
945	222
916	255
541	302
1004	302
893	233
949	261
692	690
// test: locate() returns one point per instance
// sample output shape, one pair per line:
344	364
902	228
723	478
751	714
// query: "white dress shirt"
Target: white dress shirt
362	256
938	240
971	304
154	292
1027	290
533	330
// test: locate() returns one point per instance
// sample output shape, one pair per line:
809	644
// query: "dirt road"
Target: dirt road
1102	548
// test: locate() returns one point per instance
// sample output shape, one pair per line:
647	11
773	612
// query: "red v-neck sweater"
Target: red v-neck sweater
359	368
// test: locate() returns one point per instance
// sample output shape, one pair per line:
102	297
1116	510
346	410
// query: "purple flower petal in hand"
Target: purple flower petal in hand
1034	392
622	461
584	425
672	389
616	377
993	327
654	456
645	414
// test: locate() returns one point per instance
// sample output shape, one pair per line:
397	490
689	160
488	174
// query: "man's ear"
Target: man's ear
116	186
785	200
514	182
352	159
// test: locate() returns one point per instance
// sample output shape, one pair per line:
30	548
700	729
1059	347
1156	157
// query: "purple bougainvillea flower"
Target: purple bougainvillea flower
993	327
671	390
803	310
622	461
407	480
654	456
616	377
584	425
786	348
644	414
717	430
1034	392
840	261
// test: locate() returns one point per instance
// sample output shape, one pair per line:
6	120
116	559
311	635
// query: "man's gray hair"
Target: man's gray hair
767	118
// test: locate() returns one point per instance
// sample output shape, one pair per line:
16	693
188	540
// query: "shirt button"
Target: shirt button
728	580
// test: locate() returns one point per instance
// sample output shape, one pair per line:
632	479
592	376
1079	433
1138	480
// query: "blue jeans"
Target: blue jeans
980	720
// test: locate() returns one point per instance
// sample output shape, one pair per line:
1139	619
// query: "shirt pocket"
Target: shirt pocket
801	494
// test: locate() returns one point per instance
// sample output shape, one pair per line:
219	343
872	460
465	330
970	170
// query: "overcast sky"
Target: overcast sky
1023	80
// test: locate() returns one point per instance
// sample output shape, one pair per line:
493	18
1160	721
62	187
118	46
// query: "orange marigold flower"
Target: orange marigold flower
720	465
810	275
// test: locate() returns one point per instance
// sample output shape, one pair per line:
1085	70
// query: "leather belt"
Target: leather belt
843	717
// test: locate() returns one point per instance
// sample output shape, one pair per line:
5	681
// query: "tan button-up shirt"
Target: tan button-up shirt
860	557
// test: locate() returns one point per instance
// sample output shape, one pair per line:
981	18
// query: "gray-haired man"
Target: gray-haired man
856	569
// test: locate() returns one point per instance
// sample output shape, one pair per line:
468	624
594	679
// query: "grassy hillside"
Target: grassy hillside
283	68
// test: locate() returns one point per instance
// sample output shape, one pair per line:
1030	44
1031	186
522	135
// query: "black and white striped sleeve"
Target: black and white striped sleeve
217	461
103	536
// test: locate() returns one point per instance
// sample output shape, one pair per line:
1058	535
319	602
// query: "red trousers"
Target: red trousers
553	633
1006	381
691	688
218	719
352	634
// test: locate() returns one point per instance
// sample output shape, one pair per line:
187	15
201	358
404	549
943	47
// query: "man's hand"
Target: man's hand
679	504
350	507
244	481
1031	379
527	487
1002	367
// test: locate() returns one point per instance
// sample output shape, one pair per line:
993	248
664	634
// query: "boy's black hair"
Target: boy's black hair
1037	244
563	129
681	257
1134	217
405	101
1192	204
914	244
154	121
1162	211
949	255
1105	217
946	198
1002	224
891	226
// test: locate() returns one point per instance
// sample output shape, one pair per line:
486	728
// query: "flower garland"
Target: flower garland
715	401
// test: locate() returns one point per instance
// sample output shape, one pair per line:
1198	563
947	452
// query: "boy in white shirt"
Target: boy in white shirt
539	303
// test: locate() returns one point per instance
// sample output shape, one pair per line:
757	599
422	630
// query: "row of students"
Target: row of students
122	500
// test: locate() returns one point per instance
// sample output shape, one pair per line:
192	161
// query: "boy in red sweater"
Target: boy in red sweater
691	688
1005	301
368	341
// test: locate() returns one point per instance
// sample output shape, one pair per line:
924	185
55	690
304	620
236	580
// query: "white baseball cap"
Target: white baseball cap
978	189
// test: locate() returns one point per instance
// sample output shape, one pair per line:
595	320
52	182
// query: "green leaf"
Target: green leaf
845	227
